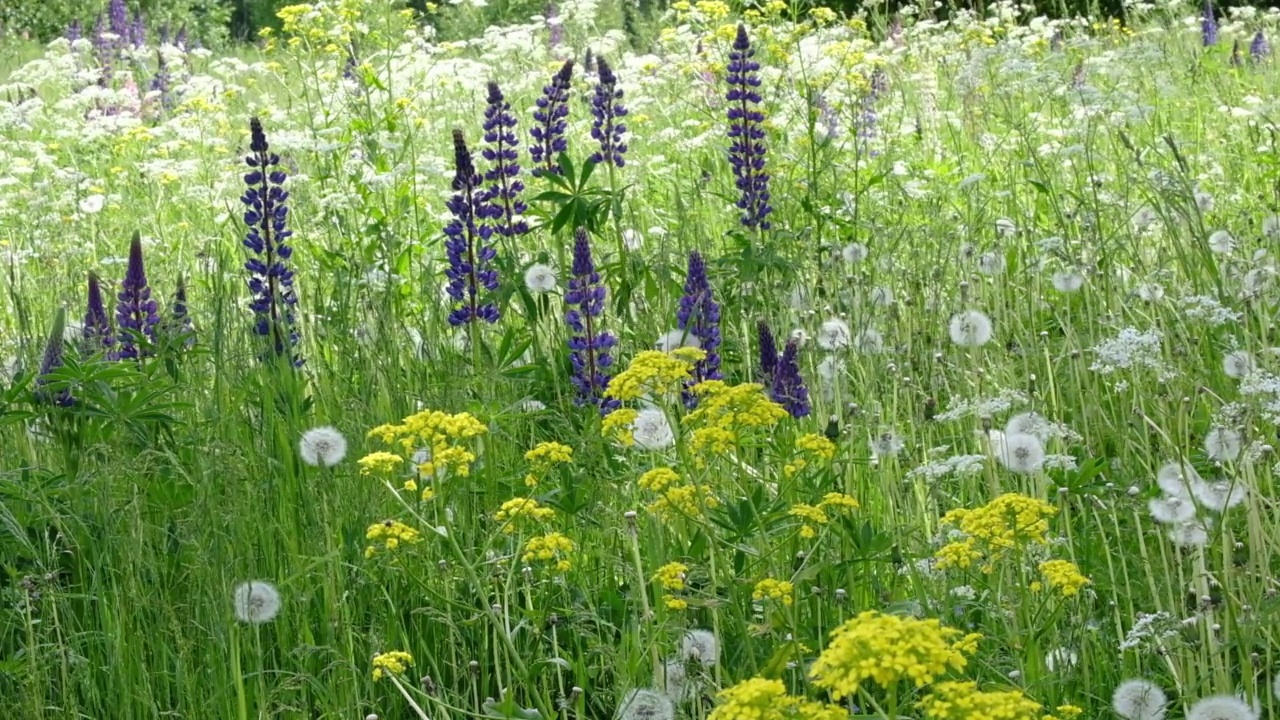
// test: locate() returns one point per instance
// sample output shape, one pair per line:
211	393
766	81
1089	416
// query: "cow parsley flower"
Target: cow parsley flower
256	602
322	447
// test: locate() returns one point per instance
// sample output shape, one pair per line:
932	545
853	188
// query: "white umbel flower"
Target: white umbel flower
643	704
971	328
322	447
701	646
1238	364
1021	453
834	335
886	444
1221	707
1139	700
1171	510
652	430
256	602
1222	444
540	278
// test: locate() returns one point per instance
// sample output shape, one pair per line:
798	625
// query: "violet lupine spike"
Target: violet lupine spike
699	316
503	175
270	279
74	31
788	388
52	360
467	241
180	314
589	345
550	123
746	134
768	353
1259	49
118	15
136	312
96	333
607	107
1208	25
161	80
180	40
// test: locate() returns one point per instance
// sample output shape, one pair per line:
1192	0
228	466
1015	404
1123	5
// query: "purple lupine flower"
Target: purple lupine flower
180	40
118	16
467	241
1259	49
789	389
270	279
768	353
52	360
503	174
96	334
550	123
1208	25
103	49
135	310
699	317
827	116
606	105
161	80
589	345
180	315
746	134
138	31
74	31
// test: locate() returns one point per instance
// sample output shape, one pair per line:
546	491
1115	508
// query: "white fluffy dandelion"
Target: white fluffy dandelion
1221	707
676	339
677	680
1178	479
882	296
869	341
854	253
92	204
1189	535
632	239
540	278
1222	444
1060	659
700	646
829	368
1271	226
834	335
1151	292
1030	423
1067	281
1021	453
886	444
1139	700
971	328
991	263
1221	242
322	447
1238	364
1006	227
1219	496
1171	510
643	704
652	430
256	602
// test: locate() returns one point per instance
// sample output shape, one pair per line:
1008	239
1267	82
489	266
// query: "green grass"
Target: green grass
128	520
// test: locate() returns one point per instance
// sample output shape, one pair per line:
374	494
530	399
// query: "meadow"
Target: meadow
759	363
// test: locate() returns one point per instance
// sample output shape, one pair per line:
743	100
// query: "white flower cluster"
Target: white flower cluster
1131	349
1206	309
957	465
1002	402
1151	631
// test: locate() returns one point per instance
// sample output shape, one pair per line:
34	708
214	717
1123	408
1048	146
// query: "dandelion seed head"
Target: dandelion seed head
256	602
675	339
1151	292
644	704
651	430
1238	364
1189	535
886	444
1219	496
1139	700
1178	479
1221	707
540	278
991	263
869	341
1067	281
1171	510
701	646
1221	242
1222	444
677	680
854	253
1021	453
971	328
834	335
322	447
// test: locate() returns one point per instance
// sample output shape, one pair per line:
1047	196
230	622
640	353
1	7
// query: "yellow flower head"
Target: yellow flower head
839	502
517	511
652	373
389	535
725	411
1008	522
888	649
658	479
549	453
671	576
619	425
395	662
963	701
771	589
762	699
553	548
1064	576
380	463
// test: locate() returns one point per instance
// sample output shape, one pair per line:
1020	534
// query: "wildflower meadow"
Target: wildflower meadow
640	362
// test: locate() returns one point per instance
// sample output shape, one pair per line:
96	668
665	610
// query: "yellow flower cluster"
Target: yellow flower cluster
330	26
441	434
543	457
761	699
771	589
813	445
724	411
811	515
1007	523
552	548
839	501
887	649
964	701
520	511
653	373
672	579
1063	575
675	498
395	662
389	534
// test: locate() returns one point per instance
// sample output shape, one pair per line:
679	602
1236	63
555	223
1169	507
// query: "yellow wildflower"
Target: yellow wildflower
762	699
963	701
1007	523
812	515
658	479
675	603
839	501
887	649
960	555
552	548
619	425
651	372
1066	712
724	411
1063	575
671	576
518	510
389	534
549	453
380	463
771	589
686	500
395	662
